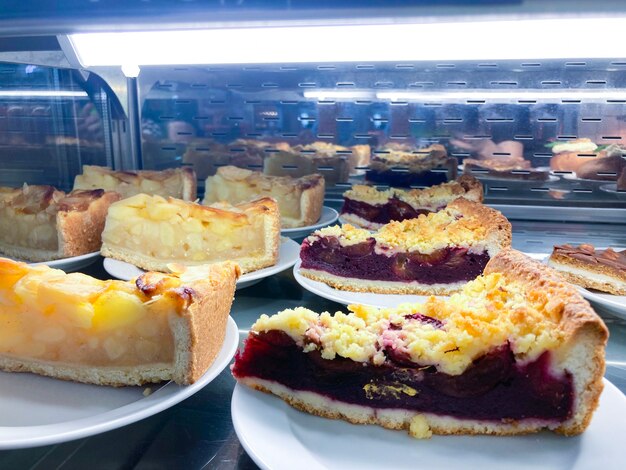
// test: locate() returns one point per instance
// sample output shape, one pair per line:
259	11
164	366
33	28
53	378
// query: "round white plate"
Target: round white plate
612	189
329	216
71	264
614	303
277	436
346	297
36	410
287	256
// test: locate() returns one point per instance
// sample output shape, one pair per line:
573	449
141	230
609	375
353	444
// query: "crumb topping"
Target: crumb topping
425	234
434	196
448	334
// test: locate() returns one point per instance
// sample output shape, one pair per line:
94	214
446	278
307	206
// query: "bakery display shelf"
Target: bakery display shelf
199	431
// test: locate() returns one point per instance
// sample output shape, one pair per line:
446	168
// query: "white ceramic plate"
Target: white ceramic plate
277	436
612	189
36	410
72	264
346	297
287	256
329	216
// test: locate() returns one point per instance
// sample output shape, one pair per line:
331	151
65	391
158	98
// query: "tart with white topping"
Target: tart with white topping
518	350
432	254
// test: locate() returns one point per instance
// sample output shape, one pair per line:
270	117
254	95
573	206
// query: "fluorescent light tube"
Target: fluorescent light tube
462	96
42	94
470	40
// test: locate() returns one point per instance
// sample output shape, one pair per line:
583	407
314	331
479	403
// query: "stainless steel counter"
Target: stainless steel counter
198	433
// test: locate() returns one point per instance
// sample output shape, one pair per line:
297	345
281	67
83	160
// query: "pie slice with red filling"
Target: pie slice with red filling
433	254
517	351
371	208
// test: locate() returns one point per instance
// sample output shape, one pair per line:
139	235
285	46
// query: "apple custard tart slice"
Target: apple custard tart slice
152	232
180	183
41	223
75	327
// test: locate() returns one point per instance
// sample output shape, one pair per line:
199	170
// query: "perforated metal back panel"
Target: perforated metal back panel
466	106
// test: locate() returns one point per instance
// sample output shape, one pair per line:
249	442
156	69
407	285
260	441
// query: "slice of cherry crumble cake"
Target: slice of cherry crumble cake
433	254
517	351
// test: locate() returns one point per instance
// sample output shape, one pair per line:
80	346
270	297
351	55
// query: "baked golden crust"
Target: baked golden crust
186	313
585	334
176	231
202	327
73	222
300	200
593	271
180	183
380	287
518	301
435	196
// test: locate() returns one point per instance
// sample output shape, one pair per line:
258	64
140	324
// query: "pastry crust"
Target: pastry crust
579	351
198	331
245	214
78	228
129	183
593	275
380	287
430	199
236	185
585	334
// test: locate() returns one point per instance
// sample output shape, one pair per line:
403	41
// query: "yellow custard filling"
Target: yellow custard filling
48	315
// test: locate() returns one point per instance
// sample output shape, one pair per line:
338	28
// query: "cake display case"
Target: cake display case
448	177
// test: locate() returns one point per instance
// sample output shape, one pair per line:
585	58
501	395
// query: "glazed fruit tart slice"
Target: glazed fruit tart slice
300	200
433	254
41	223
371	208
174	182
603	270
517	351
151	232
74	327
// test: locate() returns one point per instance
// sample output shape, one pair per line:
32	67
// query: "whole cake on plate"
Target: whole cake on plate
371	208
433	254
75	327
518	350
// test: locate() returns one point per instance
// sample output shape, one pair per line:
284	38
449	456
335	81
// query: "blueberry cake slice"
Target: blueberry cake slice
603	270
517	351
371	208
433	254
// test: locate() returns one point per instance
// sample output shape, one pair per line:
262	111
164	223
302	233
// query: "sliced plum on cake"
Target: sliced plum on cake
371	208
433	254
517	351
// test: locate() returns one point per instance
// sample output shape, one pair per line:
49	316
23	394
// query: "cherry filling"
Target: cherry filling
493	388
395	209
360	261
